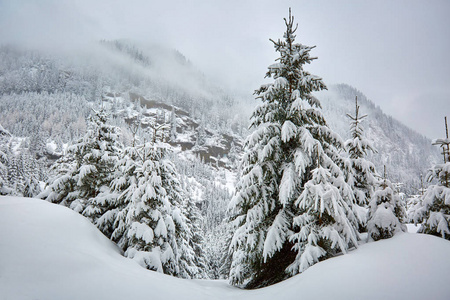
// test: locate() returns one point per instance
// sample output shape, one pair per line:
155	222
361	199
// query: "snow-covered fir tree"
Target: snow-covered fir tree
290	136
99	152
433	211
86	169
4	136
3	171
150	226
386	214
114	223
363	177
187	222
37	142
150	216
31	168
61	183
173	125
325	229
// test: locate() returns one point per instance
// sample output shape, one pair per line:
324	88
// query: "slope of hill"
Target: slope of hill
153	71
50	252
166	77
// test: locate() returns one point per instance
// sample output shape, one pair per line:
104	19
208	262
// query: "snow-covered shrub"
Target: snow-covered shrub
386	215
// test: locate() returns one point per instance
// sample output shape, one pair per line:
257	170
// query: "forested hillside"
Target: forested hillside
155	95
406	153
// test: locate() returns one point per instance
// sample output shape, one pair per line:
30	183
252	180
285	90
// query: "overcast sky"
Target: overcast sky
396	52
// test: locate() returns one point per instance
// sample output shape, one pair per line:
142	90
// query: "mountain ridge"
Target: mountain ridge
129	71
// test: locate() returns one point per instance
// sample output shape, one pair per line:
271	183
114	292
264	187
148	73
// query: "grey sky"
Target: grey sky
396	52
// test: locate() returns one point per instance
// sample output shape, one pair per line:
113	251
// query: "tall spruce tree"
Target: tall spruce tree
363	177
290	137
433	210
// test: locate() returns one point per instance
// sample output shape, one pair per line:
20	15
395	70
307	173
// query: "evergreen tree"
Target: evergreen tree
86	169
150	226
387	214
433	212
325	228
4	159
99	152
16	176
201	133
113	222
62	185
290	136
3	171
363	177
38	142
149	216
173	125
32	169
226	258
186	218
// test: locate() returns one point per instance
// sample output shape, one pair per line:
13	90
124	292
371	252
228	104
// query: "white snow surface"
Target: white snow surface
49	252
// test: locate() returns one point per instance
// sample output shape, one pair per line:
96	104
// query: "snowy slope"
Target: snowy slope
50	252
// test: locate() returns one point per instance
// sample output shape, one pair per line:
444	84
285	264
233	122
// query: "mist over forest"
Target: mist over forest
191	174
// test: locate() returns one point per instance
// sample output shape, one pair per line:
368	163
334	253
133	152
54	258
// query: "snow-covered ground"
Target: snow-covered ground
50	252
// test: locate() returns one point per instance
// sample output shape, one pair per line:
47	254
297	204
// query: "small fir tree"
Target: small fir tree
186	218
149	215
86	169
363	177
387	214
4	161
61	186
150	226
98	154
324	226
433	211
173	125
16	176
3	169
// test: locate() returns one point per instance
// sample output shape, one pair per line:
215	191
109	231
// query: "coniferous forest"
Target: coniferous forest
191	180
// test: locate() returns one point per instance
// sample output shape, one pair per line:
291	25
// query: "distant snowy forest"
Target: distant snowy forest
195	181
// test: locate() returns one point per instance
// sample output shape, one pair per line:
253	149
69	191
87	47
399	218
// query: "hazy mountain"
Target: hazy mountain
46	97
406	153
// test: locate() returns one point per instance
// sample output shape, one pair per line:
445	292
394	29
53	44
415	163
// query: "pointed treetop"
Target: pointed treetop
446	151
446	128
356	120
290	23
444	144
384	185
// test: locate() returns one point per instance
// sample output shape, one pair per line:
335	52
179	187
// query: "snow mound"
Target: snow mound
50	252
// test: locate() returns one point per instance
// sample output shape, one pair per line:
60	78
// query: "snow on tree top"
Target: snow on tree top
441	142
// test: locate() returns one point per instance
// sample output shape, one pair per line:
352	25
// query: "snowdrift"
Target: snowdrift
50	252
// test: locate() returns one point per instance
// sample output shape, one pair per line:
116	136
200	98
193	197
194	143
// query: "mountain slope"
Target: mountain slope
406	153
50	252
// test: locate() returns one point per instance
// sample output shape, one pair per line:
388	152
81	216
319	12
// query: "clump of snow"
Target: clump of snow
48	251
